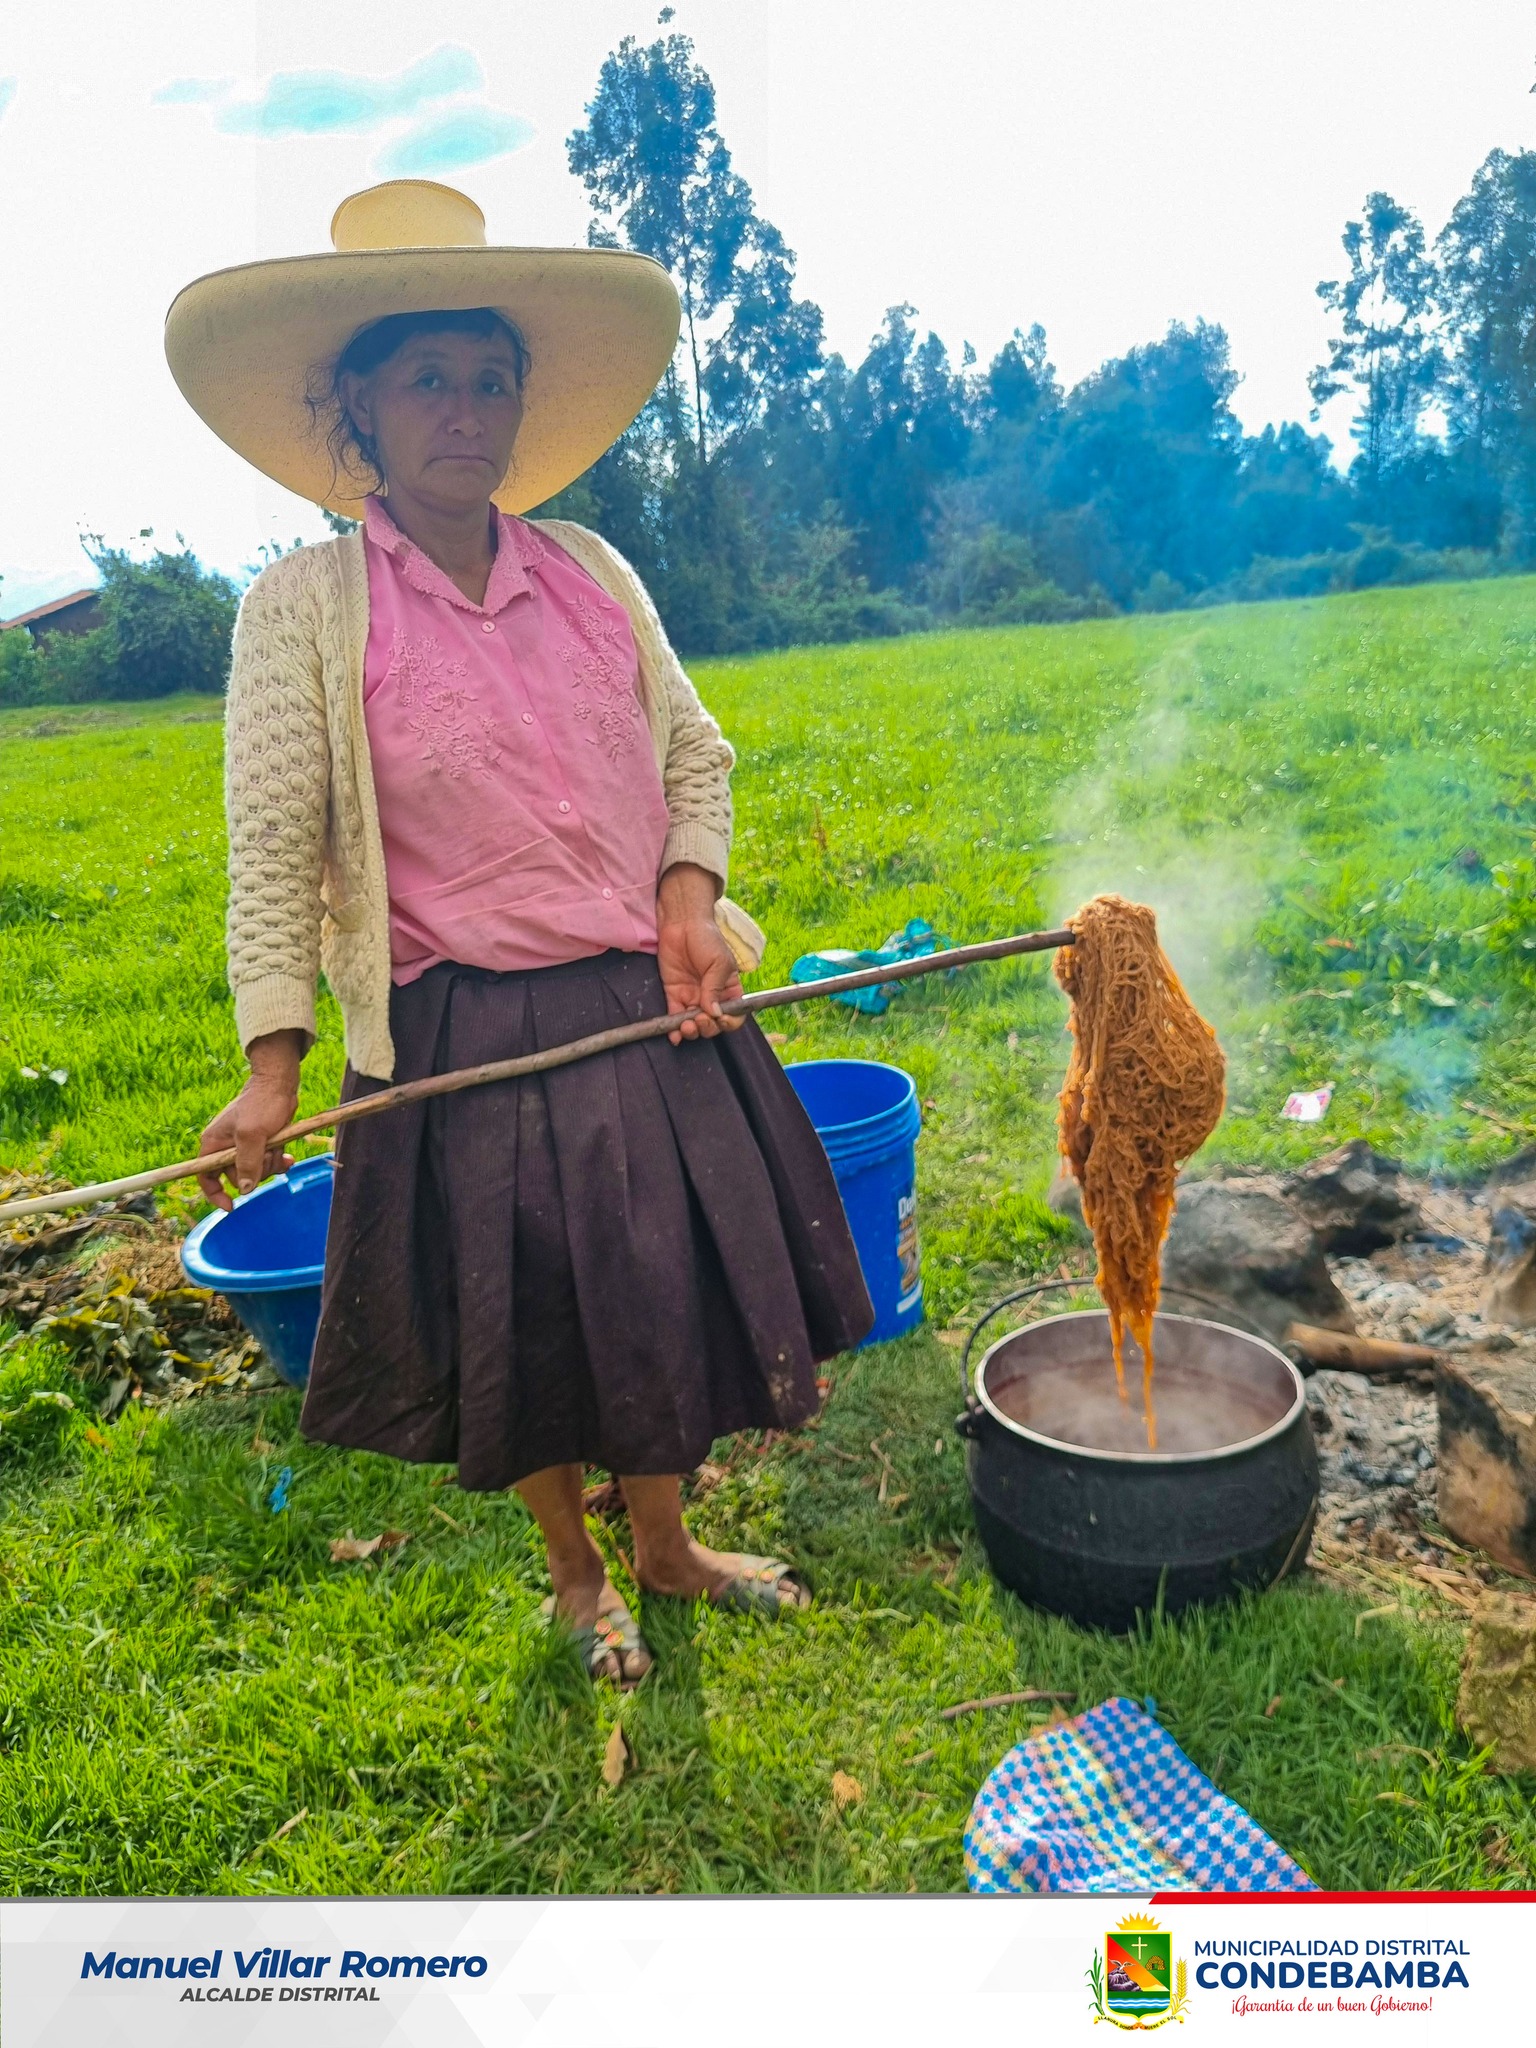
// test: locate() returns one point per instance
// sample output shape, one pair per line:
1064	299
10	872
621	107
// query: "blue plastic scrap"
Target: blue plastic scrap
914	942
277	1499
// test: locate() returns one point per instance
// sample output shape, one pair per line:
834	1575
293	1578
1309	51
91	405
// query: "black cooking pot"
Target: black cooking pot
1079	1517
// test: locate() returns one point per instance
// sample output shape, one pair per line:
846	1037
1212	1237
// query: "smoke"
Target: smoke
1434	1064
1122	826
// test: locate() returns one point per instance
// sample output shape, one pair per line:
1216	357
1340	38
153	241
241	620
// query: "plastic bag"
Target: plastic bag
915	941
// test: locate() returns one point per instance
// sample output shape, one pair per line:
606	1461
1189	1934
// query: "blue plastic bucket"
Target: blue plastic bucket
867	1116
266	1256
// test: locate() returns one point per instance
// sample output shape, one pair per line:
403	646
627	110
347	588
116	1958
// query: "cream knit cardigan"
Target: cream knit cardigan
306	859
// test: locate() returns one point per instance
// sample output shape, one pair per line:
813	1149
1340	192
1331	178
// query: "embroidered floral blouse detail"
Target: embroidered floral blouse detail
522	825
455	740
594	653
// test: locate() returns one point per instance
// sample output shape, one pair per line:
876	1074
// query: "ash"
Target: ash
1376	1451
1376	1439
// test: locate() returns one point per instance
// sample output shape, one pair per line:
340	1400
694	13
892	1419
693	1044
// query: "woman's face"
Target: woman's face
443	414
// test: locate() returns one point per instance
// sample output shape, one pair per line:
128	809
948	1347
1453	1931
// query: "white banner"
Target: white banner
762	1972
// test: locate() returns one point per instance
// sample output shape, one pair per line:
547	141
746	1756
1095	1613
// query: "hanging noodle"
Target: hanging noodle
1143	1091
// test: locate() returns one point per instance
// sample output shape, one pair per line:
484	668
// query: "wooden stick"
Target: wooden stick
1501	1123
542	1062
1359	1354
1006	1699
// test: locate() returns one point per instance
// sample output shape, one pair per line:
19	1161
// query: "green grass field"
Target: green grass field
1330	806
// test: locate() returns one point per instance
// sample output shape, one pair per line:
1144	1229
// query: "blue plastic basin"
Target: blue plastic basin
867	1116
266	1257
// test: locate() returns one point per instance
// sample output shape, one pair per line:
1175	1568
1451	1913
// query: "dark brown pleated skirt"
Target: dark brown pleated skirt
612	1264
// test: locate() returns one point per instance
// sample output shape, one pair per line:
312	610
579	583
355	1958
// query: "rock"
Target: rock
1066	1197
1353	1199
1252	1251
1509	1295
1487	1457
1518	1168
1497	1701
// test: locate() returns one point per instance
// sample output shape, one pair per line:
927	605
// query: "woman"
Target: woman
466	773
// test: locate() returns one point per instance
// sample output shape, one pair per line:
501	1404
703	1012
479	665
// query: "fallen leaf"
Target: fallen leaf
458	1527
707	1478
617	1756
846	1791
955	1339
777	1037
288	1826
94	1436
1274	1706
260	1448
350	1549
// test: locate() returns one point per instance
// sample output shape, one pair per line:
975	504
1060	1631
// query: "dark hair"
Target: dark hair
368	350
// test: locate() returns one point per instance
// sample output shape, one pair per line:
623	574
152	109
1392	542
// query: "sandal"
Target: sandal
762	1586
616	1634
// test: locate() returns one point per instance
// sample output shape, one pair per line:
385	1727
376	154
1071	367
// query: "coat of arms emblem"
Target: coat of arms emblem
1135	1982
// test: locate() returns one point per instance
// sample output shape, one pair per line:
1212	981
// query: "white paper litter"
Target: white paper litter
1309	1105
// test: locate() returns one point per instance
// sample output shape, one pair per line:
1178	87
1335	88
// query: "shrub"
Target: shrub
993	578
20	680
76	668
166	627
171	621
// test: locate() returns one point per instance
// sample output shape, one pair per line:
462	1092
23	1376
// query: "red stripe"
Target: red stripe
1328	1898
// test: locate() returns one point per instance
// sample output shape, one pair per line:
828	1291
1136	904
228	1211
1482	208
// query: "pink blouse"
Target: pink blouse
519	797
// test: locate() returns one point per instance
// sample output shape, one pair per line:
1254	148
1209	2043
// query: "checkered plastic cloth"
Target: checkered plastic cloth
1108	1802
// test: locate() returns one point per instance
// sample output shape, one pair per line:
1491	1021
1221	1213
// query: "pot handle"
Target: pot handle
1044	1287
1023	1294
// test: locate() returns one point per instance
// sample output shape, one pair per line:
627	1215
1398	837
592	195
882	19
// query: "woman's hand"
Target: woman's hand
264	1106
698	969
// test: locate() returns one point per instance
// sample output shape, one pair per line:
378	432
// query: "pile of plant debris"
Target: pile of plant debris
107	1289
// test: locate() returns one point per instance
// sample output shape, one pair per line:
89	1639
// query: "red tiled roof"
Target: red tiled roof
43	611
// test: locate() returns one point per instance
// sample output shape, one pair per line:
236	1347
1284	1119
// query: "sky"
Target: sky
1101	168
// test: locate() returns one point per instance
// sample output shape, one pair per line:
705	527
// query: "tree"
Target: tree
661	181
1290	498
899	428
1487	293
1020	384
1385	349
1146	455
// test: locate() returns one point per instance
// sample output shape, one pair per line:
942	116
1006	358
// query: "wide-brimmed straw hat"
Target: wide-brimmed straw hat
246	345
